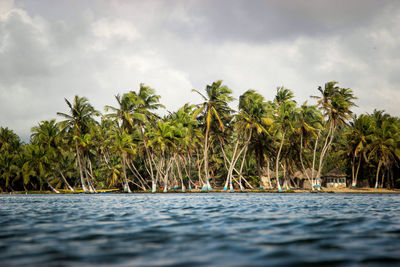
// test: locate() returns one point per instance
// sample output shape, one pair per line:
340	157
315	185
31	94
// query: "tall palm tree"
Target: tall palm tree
357	136
254	116
309	123
122	143
284	119
78	122
145	102
136	110
163	140
214	110
123	113
188	137
384	145
336	104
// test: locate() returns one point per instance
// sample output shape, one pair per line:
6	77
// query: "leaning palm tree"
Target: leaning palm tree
308	127
163	141
214	110
136	110
78	123
38	164
47	135
283	124
250	124
145	102
357	135
336	104
122	143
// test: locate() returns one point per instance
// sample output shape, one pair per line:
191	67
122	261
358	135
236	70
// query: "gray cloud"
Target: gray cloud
51	50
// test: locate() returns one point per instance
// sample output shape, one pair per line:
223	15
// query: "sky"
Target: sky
51	50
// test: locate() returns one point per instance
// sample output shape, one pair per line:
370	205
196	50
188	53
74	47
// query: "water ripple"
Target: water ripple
200	229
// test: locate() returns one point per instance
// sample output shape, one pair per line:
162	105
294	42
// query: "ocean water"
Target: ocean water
200	230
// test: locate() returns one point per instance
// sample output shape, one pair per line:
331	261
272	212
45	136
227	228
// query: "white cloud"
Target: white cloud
6	6
111	47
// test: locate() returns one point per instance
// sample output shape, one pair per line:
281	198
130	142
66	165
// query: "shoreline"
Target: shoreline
364	190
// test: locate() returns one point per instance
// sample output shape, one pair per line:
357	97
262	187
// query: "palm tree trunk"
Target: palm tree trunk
313	162
187	163
126	185
65	181
87	175
302	163
353	182
226	162
232	165
241	169
189	174
377	174
285	183
269	174
199	168
325	149
206	186
358	168
158	167
149	157
80	169
136	173
91	175
277	163
168	165
179	172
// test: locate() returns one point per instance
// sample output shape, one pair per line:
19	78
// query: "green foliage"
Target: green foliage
132	144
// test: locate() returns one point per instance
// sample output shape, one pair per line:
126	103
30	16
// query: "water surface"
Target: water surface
199	230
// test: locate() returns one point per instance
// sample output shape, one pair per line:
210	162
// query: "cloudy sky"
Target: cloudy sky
51	50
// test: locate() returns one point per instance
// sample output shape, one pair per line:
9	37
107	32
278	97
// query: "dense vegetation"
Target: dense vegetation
203	145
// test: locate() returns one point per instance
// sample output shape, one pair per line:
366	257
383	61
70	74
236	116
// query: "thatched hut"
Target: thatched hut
335	178
302	178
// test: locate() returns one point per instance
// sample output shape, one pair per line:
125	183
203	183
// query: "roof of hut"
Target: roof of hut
335	173
298	174
303	175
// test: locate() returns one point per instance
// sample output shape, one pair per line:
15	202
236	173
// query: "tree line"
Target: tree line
204	145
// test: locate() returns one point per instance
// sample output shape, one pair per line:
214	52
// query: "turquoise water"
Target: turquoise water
200	230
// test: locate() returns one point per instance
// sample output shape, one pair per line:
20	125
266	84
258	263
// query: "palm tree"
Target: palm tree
336	104
78	123
136	109
47	136
188	137
309	123
252	120
357	135
163	140
384	144
122	143
10	153
38	164
145	102
214	111
283	124
122	113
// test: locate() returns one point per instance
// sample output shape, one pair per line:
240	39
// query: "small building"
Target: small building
302	179
335	179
